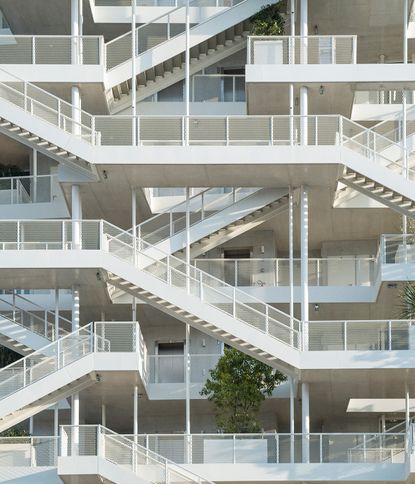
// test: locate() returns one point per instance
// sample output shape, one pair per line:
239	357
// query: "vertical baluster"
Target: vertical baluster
321	448
345	336
390	335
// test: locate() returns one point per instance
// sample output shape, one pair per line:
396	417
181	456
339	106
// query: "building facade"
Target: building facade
172	184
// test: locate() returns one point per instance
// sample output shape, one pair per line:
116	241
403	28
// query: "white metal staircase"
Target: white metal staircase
213	219
118	459
161	46
24	331
46	376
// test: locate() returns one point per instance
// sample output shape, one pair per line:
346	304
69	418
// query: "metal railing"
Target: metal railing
154	33
315	49
154	3
40	321
397	249
28	451
218	88
380	97
274	272
27	189
47	107
203	205
369	335
171	368
51	49
214	292
277	448
100	235
94	337
96	440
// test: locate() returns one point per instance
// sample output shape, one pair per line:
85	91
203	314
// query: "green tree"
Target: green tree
268	21
237	386
407	301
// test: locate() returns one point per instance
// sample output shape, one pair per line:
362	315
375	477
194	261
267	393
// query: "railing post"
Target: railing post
201	285
25	95
24	372
234	303
203	206
266	319
333	50
316	130
271	131
234	448
277	449
341	130
235	272
18	235
321	448
171	223
354	51
345	336
33	50
390	335
227	130
168	275
58	354
166	473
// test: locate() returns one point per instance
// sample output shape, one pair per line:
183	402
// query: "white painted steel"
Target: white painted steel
276	448
121	451
316	49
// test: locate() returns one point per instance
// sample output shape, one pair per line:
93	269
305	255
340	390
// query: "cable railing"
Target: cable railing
94	337
34	451
47	107
275	272
44	325
203	205
51	49
365	335
373	335
397	249
27	189
99	441
277	448
313	49
171	368
154	33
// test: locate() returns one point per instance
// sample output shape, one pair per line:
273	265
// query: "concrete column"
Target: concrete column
405	32
133	75
135	411
31	425
404	152
103	415
75	422
304	114
34	173
304	60
56	313
304	264
56	420
407	410
76	307
134	227
187	70
291	252
291	88
188	239
292	420
76	217
305	398
187	383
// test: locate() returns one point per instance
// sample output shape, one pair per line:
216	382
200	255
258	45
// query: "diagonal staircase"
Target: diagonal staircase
118	459
24	331
214	219
161	46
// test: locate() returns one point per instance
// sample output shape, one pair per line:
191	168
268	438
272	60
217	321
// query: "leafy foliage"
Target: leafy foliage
407	301
268	21
15	431
7	356
237	386
11	170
